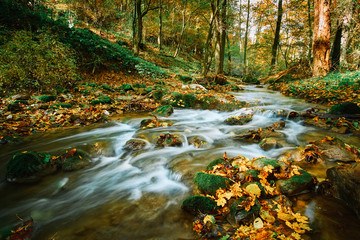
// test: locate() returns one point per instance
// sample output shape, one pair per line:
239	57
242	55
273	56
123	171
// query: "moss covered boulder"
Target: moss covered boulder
238	215
74	159
46	98
169	140
241	120
28	167
164	111
208	183
345	108
101	100
198	203
214	163
296	184
61	105
260	163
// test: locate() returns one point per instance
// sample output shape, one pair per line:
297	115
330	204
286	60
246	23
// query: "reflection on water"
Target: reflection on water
126	196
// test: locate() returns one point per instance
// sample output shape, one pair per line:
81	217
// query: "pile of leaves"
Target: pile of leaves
253	190
332	89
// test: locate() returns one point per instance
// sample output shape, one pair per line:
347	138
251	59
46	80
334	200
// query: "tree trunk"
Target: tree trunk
134	26
160	25
345	23
240	22
229	55
246	36
309	31
182	31
206	63
335	53
221	39
277	36
321	41
139	27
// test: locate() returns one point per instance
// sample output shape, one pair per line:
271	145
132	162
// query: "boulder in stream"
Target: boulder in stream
169	140
346	180
198	203
28	167
240	120
209	183
268	144
74	159
164	111
135	145
296	184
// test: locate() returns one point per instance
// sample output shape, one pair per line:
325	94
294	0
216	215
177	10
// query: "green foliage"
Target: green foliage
46	98
101	100
164	111
35	61
250	79
126	87
184	79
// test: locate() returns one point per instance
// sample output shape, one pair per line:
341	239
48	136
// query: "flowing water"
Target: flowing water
127	196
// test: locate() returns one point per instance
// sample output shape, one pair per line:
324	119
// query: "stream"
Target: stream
139	196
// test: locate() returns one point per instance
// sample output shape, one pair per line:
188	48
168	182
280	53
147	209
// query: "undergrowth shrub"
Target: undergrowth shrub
35	61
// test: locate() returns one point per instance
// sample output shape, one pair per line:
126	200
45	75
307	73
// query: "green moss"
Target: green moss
46	98
208	183
106	86
61	105
101	100
74	161
260	163
126	87
184	79
250	79
296	184
27	164
164	111
214	163
22	101
253	173
138	85
145	122
158	94
198	203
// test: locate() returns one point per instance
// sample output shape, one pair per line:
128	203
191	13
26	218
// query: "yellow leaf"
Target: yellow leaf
253	189
258	223
285	217
209	218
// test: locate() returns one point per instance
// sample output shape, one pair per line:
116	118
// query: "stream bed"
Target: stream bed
138	196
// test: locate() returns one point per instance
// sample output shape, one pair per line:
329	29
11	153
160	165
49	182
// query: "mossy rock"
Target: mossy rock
238	215
242	120
27	166
296	184
61	105
22	102
260	163
198	203
158	94
184	79
251	79
253	173
46	98
235	88
145	122
208	183
126	87
106	86
60	90
214	163
74	160
101	100
138	85
164	111
183	100
345	108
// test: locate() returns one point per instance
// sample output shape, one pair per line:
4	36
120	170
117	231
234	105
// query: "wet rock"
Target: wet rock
345	108
75	159
268	144
197	141
241	120
28	167
334	149
168	140
208	183
346	180
296	184
257	135
198	203
164	111
238	215
135	145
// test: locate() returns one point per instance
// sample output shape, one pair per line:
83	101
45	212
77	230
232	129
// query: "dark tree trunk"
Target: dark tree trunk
277	36
336	50
246	36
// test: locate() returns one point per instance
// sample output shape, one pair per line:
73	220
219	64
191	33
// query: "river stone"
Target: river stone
268	143
242	120
197	141
296	184
168	140
260	163
345	108
198	203
28	167
164	111
135	145
208	183
238	215
346	180
72	161
214	163
335	150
